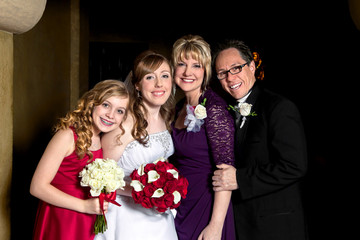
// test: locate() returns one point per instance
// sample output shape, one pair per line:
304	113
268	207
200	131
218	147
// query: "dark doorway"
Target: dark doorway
112	60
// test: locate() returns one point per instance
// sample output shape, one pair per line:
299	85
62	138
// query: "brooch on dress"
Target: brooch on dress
195	117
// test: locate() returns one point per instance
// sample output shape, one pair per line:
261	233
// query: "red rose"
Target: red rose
169	176
160	167
144	179
170	166
162	203
160	182
168	199
137	196
134	175
149	190
170	186
146	203
175	205
157	201
182	186
148	167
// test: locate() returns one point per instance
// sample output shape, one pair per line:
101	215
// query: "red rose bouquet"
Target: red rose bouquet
158	185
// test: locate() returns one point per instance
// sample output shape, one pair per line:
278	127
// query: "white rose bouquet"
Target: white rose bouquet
104	177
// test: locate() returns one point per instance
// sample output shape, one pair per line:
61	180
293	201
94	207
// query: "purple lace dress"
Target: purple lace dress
196	154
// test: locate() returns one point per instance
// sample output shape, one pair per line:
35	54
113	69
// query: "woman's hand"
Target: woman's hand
92	206
211	232
224	178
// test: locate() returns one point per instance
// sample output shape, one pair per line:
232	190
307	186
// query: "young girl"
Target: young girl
66	211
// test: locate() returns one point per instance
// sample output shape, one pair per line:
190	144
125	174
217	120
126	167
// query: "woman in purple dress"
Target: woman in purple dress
203	136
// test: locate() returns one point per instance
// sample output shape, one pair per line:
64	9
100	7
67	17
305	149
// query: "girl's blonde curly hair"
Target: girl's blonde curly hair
81	118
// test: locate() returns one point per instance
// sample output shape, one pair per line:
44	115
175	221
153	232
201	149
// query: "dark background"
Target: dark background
310	53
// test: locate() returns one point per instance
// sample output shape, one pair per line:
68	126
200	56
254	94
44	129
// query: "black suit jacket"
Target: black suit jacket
271	159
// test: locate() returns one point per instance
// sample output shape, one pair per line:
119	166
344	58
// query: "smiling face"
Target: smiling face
189	75
108	115
156	87
237	85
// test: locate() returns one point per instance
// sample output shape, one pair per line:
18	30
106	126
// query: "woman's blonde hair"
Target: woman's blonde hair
81	118
193	46
148	62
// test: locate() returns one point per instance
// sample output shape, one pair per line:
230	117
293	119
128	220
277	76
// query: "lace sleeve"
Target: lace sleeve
220	131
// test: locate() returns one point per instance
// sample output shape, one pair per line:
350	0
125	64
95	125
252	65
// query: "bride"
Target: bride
145	139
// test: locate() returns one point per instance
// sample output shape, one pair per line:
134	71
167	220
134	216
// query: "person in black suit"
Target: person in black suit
270	150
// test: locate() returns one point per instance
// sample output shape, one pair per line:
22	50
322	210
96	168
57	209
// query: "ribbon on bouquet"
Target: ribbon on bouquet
110	197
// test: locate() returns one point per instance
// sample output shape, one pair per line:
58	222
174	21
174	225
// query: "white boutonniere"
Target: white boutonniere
245	110
195	116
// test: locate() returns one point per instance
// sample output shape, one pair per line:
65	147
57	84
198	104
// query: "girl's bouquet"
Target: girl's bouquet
158	185
104	177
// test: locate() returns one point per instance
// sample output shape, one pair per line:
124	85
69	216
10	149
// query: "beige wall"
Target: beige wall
6	110
41	74
47	72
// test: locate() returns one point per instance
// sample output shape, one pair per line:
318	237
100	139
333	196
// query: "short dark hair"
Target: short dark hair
243	49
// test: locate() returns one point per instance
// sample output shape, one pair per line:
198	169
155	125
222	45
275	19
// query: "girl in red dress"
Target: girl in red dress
65	210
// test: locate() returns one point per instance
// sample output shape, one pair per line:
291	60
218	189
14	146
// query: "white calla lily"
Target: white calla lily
177	197
158	193
137	185
174	173
153	176
141	170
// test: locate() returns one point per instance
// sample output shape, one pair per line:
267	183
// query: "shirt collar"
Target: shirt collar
243	99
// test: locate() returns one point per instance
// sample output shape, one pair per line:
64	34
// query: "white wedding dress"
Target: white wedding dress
131	220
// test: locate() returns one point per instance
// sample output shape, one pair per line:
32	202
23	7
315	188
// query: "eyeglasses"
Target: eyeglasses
233	71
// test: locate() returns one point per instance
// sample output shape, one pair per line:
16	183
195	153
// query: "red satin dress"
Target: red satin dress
55	223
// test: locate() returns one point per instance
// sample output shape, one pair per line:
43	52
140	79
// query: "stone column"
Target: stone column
19	16
16	16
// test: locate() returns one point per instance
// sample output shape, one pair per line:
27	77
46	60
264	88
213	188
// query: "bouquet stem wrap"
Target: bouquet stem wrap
101	223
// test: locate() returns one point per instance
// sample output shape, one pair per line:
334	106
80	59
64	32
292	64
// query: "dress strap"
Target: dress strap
74	132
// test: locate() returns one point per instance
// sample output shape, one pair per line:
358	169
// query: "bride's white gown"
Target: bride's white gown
132	221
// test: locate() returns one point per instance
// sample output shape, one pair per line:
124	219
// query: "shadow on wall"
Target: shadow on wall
23	204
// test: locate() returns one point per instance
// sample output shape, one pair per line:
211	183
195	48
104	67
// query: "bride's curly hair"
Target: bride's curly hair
148	62
81	118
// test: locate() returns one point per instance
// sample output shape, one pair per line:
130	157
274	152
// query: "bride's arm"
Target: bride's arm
126	192
113	149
